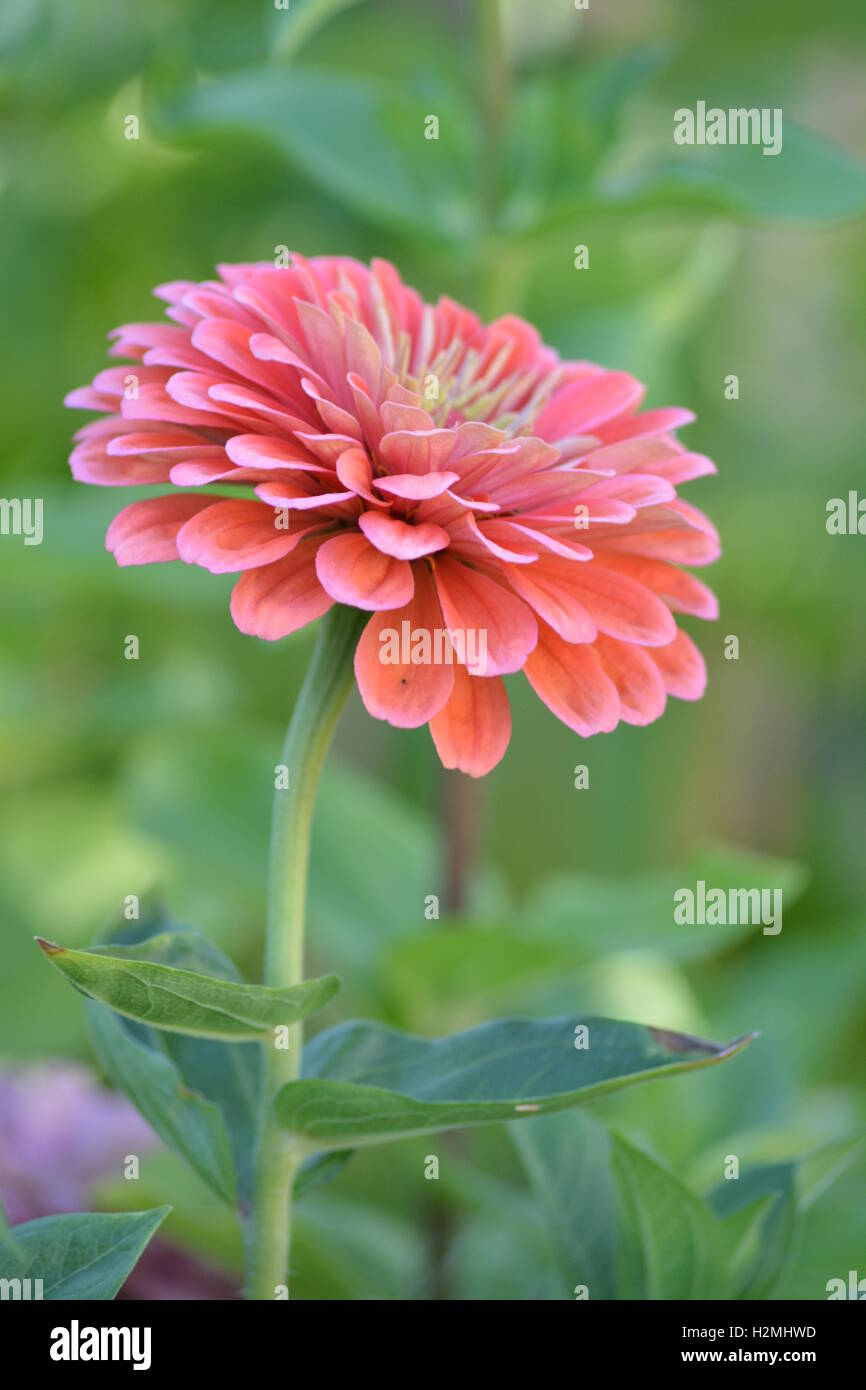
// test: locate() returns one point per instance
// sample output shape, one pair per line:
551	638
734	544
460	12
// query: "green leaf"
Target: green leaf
193	1091
365	1084
810	180
673	1243
623	1225
818	1170
83	1256
594	916
186	1122
759	1211
362	141
568	1160
131	981
678	1241
756	1235
319	1170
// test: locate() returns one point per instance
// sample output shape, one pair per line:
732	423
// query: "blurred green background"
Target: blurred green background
304	127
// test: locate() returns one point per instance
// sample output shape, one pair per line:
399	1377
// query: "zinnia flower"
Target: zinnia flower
447	476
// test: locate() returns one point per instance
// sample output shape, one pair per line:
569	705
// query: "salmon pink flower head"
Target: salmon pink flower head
494	508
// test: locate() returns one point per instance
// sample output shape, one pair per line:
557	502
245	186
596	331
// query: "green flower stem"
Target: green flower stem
495	77
328	682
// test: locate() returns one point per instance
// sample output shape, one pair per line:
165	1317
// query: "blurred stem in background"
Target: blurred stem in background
328	681
494	100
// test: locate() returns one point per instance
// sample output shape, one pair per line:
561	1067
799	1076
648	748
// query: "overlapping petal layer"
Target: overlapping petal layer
493	508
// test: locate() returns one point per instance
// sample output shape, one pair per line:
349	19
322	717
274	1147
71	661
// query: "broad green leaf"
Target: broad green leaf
319	1170
227	1074
673	1245
131	981
83	1256
362	141
193	1091
818	1170
623	1226
188	1123
365	1084
750	1235
568	1159
594	916
810	180
759	1210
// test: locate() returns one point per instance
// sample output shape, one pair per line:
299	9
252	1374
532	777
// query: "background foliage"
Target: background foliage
263	127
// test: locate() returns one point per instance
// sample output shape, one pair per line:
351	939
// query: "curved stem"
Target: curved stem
328	682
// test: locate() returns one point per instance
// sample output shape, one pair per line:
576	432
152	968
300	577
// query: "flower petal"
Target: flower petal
91	463
547	589
355	471
639	685
680	591
679	544
472	730
497	538
270	452
297	497
227	342
414	451
572	682
157	403
405	692
682	667
353	571
620	606
278	599
234	535
476	606
587	404
146	532
399	538
648	423
416	486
